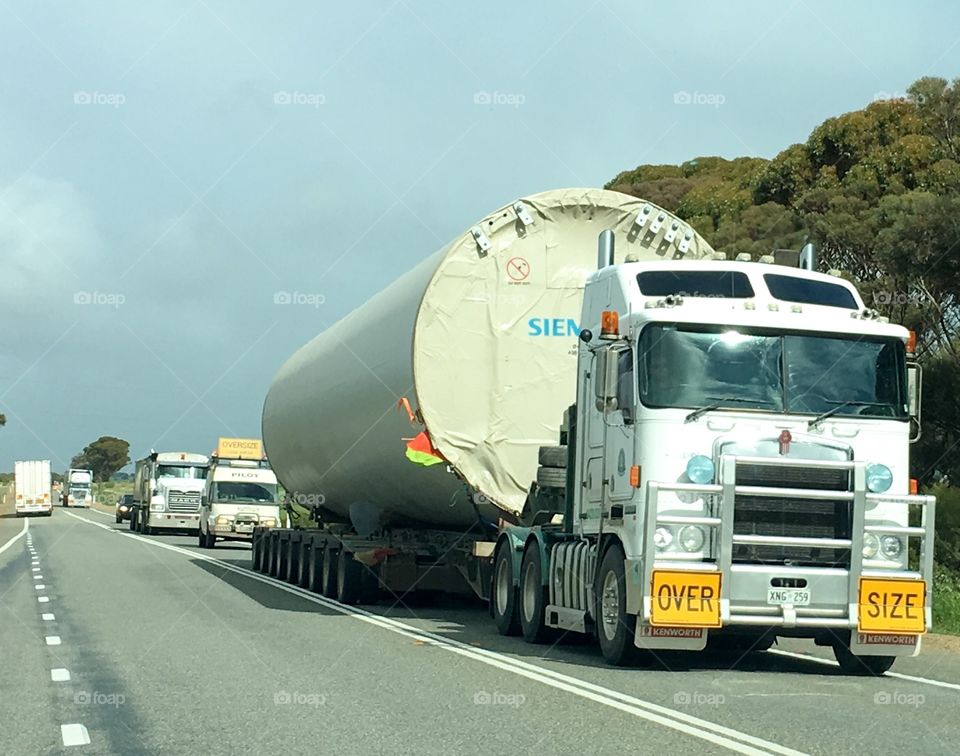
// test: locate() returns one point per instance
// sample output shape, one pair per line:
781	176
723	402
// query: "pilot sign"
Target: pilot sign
518	269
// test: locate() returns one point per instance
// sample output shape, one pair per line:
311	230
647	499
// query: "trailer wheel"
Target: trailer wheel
551	477
533	597
328	572
553	456
615	628
276	548
349	578
861	666
503	593
256	553
290	570
266	555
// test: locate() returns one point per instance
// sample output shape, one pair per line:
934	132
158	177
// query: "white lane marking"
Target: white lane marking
14	539
43	599
74	735
53	640
47	617
832	663
59	675
40	586
38	577
35	569
688	724
105	514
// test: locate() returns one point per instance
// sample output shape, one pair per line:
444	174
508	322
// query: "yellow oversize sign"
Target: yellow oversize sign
240	448
892	606
685	599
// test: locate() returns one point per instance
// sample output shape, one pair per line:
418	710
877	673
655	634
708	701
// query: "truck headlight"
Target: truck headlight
662	538
871	544
879	478
691	538
700	469
268	522
891	546
156	506
224	519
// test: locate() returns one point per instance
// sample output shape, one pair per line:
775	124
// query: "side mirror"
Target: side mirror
914	395
606	379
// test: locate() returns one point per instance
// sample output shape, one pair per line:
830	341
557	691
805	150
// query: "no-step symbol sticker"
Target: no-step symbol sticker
518	269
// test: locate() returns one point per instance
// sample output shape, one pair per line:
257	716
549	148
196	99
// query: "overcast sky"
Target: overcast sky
168	169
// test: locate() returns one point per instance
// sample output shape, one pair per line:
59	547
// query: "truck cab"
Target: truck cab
238	496
738	470
167	491
77	485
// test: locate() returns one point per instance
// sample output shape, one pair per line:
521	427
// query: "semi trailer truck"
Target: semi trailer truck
77	488
167	487
701	449
32	487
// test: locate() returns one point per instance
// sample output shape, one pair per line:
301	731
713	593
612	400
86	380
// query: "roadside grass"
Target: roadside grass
946	601
106	494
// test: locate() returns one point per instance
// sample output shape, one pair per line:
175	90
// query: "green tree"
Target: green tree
105	456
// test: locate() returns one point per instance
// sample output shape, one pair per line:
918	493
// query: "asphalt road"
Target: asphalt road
170	649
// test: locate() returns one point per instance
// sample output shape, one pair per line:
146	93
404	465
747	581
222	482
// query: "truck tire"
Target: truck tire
551	477
279	557
303	563
533	597
615	628
133	520
861	666
291	568
313	565
349	578
328	571
553	456
265	554
503	593
256	553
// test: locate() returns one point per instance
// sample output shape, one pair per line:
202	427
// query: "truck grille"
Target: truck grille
799	518
183	501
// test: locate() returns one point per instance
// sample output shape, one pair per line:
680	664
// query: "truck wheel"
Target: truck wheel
533	597
349	578
328	572
256	553
290	569
312	567
615	628
503	593
861	666
553	456
133	520
303	563
266	555
551	477
276	550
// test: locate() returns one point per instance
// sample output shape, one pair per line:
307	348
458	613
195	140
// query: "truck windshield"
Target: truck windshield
181	471
245	492
690	366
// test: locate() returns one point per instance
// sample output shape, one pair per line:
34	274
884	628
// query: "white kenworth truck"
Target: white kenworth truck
240	493
167	488
77	485
737	466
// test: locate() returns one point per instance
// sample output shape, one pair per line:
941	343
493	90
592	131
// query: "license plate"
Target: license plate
685	599
891	606
244	528
795	596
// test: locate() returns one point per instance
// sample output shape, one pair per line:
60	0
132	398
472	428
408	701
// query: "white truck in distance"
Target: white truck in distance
240	494
77	485
32	487
167	488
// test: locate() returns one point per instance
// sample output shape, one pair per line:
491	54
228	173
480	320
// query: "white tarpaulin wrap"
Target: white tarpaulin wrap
481	338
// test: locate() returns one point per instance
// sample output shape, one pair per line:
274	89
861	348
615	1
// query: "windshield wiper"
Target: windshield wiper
717	404
831	412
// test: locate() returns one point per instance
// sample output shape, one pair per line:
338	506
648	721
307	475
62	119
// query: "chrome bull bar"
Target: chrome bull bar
718	521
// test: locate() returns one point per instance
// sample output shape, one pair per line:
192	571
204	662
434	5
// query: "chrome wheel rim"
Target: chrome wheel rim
610	605
503	587
529	593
